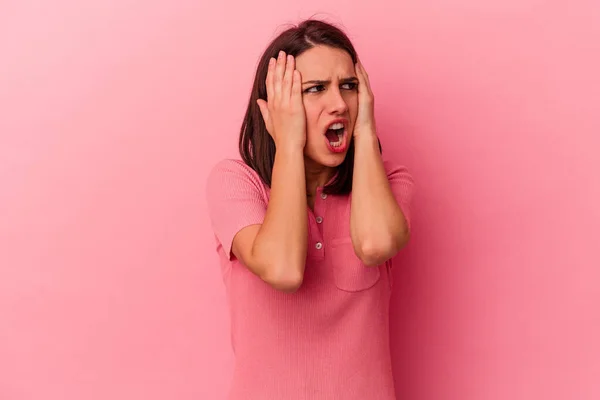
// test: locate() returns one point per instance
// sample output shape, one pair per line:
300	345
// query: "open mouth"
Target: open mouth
336	136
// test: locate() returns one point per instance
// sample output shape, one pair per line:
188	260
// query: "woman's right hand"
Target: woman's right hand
283	112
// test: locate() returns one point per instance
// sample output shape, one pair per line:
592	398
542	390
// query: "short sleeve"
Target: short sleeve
236	198
402	185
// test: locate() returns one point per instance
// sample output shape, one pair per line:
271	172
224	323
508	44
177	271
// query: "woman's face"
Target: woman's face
329	94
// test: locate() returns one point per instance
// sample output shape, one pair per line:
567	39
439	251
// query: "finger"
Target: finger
361	79
288	76
365	77
278	77
364	85
269	80
297	87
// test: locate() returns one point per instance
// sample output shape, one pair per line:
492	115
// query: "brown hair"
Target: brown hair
256	146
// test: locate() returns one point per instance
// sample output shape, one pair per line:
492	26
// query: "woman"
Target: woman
306	225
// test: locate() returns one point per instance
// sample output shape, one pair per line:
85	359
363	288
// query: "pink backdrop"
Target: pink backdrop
112	112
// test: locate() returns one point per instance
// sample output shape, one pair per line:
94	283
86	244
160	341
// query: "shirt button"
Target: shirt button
319	220
323	196
318	245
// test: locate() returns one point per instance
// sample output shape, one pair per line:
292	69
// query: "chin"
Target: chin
333	161
326	159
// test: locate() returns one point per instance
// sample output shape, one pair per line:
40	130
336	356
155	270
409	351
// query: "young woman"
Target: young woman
306	225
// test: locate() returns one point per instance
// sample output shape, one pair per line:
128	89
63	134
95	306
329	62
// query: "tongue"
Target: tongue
332	135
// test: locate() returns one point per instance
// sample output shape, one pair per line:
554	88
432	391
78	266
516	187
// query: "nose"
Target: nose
336	103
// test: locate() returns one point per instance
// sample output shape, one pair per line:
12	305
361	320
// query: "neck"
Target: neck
316	175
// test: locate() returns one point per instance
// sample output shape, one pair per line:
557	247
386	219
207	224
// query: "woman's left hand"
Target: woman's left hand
365	120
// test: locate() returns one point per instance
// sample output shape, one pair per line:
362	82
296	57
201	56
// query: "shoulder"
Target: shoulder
395	170
227	166
232	175
230	168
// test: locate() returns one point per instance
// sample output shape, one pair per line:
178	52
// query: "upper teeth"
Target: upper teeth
337	125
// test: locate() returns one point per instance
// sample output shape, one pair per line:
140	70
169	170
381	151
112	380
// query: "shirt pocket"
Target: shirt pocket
349	272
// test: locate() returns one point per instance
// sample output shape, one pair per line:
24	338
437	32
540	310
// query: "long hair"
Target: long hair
256	146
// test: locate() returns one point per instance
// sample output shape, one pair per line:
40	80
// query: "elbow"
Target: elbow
288	281
401	240
376	253
281	270
373	255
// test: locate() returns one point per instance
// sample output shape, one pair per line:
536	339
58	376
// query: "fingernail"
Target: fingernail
281	53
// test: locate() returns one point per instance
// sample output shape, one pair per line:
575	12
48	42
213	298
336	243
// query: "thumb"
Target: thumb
264	110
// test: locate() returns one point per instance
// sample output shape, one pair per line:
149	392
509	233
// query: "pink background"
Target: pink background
112	112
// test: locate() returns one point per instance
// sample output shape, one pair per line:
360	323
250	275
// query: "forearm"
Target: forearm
282	239
377	225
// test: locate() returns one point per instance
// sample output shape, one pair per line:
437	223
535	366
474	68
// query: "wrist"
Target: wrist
368	136
289	148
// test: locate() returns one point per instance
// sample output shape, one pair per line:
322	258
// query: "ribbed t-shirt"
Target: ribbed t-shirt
329	340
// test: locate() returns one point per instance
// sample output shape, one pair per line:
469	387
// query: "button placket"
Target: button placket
319	209
319	219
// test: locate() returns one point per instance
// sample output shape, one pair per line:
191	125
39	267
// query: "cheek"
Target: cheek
312	119
353	104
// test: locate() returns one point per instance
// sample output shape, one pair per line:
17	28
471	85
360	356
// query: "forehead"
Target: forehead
322	62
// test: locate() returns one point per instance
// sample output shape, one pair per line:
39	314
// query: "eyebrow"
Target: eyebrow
322	82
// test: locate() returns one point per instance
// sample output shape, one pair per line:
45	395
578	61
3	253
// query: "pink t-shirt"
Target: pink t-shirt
330	339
